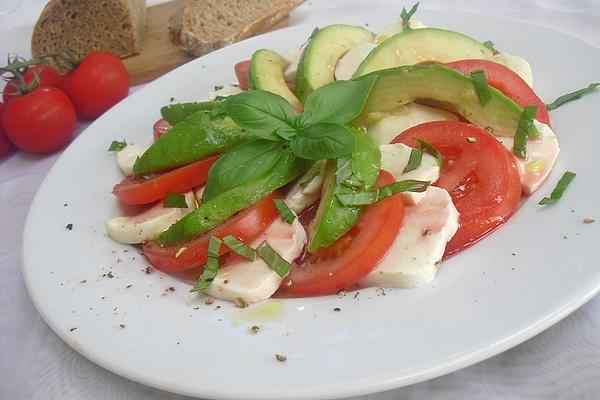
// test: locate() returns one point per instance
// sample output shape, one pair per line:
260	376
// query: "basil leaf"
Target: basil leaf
338	102
237	246
357	199
414	161
175	200
481	86
343	170
261	113
322	141
523	130
428	148
407	15
490	45
273	259
284	211
558	191
208	275
367	198
572	96
117	146
175	113
214	246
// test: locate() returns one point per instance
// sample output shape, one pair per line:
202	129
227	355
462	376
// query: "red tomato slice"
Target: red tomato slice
144	191
478	172
508	82
242	70
160	128
354	255
246	225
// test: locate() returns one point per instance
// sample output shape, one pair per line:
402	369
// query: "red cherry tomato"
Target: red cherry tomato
242	70
354	255
47	76
40	121
144	191
160	128
508	82
5	144
478	172
246	225
99	82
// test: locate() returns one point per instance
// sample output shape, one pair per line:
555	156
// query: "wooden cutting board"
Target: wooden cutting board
159	55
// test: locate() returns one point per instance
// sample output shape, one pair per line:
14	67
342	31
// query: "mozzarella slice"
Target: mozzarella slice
147	225
397	27
307	189
225	91
254	280
293	58
387	128
127	156
347	65
415	256
541	156
394	158
517	64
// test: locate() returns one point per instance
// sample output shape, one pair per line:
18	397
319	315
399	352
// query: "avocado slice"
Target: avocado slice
398	86
266	73
322	53
333	219
422	45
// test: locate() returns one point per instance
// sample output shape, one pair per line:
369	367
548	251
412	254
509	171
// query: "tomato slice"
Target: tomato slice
246	225
160	128
144	191
478	172
354	255
508	82
242	70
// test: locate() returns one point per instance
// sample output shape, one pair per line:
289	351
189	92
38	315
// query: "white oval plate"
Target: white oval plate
484	301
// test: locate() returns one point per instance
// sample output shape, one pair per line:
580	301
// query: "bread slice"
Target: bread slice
83	26
207	25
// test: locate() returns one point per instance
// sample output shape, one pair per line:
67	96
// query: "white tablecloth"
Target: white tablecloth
561	363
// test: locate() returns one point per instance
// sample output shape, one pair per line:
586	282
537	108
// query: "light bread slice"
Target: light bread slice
207	25
82	26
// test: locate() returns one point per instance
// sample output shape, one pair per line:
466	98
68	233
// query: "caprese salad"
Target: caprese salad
359	160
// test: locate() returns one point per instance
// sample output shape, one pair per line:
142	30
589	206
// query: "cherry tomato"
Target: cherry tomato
5	144
160	128
242	70
478	172
354	255
143	191
246	225
40	121
97	83
47	76
508	82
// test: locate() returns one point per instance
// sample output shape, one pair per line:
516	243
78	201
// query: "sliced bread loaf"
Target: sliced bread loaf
82	26
207	25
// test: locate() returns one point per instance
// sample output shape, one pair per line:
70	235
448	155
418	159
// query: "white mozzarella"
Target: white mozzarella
397	27
293	58
387	128
127	157
147	225
225	91
394	158
254	280
349	62
517	64
414	258
307	189
541	156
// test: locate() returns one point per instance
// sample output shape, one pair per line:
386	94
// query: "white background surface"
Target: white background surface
563	362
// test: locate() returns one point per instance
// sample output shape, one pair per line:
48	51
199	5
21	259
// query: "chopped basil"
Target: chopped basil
523	131
414	161
273	259
117	146
286	214
572	96
559	189
481	86
431	150
208	275
407	15
175	200
214	246
237	246
490	45
218	87
367	198
357	199
344	174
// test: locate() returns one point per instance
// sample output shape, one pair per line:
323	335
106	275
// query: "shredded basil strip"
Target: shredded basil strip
414	161
239	247
431	150
208	275
117	146
175	200
523	130
481	86
214	246
572	96
406	16
343	170
490	45
273	259
368	198
559	190
286	214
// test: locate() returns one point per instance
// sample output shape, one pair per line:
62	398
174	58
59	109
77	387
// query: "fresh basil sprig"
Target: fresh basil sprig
322	140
